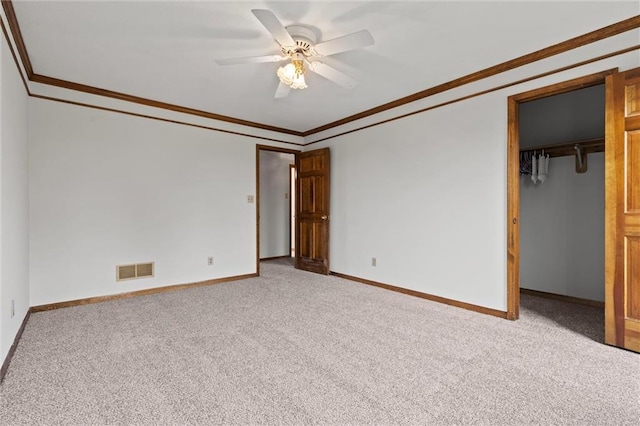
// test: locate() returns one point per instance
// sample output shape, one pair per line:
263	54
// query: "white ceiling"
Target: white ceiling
165	50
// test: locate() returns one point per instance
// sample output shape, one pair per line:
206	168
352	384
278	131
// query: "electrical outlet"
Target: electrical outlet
210	261
249	199
374	261
13	308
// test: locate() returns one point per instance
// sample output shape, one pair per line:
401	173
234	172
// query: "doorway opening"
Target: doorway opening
559	235
275	204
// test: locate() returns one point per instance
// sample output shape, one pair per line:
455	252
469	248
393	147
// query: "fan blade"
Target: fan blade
342	44
251	60
274	26
282	91
330	73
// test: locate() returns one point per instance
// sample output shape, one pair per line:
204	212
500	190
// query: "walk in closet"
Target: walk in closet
562	194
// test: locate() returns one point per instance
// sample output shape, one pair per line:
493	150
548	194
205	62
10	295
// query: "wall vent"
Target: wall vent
138	270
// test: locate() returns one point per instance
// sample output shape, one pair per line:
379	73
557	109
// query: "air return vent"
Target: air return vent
138	270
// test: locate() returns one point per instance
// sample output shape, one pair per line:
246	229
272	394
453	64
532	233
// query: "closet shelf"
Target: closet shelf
579	149
587	146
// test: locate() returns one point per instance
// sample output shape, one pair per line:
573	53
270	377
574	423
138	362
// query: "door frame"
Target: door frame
293	177
513	176
257	198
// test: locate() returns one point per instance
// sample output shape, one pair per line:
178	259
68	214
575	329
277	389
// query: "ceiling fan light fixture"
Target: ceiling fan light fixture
292	74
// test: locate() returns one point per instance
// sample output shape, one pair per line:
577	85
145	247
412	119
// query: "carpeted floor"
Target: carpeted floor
291	347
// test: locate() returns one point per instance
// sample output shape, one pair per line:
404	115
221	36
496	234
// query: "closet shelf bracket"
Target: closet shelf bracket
581	159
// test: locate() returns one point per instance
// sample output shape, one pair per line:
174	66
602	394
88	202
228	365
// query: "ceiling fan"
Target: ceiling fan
298	44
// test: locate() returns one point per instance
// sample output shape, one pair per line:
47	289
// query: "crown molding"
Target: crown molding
10	13
51	81
484	92
15	58
38	78
588	38
573	43
166	120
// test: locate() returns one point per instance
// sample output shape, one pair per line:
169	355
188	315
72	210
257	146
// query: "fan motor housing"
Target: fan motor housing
304	37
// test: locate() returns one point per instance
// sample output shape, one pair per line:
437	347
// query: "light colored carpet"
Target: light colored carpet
291	347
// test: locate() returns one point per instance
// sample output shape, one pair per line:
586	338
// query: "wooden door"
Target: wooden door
622	210
312	218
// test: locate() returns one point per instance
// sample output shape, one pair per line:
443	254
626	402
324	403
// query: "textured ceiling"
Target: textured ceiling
166	50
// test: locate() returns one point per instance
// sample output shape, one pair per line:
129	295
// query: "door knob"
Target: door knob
324	217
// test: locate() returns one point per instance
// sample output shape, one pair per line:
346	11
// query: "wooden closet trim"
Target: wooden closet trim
513	177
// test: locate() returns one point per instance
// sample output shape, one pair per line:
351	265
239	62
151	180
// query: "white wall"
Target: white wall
14	203
562	230
572	116
426	194
109	189
427	199
274	203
